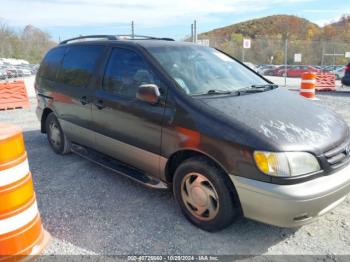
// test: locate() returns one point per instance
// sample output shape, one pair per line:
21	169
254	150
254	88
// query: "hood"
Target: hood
282	120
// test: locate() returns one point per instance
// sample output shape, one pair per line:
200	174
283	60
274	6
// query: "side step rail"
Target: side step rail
118	167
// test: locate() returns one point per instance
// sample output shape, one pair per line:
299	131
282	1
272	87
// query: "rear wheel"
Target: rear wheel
205	195
57	139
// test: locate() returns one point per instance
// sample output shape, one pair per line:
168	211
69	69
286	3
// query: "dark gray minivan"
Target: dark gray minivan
177	115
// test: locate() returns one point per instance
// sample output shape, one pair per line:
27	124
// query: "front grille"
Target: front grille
339	155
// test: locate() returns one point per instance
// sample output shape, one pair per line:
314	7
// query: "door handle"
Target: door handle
84	100
99	104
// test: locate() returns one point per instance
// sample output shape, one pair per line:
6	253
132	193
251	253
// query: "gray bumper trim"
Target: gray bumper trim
292	205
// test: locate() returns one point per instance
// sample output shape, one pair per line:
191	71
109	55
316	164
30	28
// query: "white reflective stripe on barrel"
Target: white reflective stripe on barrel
307	90
13	174
17	221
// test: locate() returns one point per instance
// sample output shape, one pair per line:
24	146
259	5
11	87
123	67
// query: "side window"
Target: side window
51	63
79	64
125	72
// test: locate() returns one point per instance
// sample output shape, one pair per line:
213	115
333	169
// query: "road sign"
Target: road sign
297	57
347	54
246	43
204	42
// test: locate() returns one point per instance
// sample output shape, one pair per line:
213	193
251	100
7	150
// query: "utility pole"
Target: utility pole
322	59
192	33
132	29
285	60
195	31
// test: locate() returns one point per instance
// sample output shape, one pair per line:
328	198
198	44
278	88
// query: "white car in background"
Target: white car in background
26	72
339	72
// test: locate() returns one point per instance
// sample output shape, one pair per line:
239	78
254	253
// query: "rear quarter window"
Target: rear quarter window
51	64
79	64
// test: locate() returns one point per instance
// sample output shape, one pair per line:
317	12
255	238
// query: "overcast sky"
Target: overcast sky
69	18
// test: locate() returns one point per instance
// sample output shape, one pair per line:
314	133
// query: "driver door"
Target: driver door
126	128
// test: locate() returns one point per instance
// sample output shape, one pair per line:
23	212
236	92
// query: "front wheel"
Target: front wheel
57	139
205	194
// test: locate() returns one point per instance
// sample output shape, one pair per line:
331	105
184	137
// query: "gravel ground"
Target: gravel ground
90	210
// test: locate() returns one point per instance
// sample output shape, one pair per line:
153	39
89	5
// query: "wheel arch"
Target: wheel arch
46	112
181	155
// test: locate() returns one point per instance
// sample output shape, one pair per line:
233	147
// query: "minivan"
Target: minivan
190	118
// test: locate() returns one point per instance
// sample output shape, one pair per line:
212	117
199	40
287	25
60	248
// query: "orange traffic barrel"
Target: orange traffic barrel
308	85
21	231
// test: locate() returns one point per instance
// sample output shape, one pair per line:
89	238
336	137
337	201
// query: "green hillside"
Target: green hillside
268	35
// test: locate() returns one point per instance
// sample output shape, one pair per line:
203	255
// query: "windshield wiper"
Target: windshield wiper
265	86
251	89
257	88
215	92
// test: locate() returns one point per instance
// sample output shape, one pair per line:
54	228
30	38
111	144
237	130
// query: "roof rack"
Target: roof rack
87	37
143	37
113	37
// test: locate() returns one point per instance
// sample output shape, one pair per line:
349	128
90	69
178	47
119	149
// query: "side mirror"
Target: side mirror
148	93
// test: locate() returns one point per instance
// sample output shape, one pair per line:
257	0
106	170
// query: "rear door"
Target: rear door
126	128
73	96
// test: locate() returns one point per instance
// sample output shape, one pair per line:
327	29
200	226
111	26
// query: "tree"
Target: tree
30	44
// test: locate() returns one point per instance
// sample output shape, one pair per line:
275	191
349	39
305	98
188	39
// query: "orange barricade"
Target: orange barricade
21	232
325	82
13	95
308	84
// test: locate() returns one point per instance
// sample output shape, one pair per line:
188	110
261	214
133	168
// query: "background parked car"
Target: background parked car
251	66
277	71
265	68
19	72
12	72
346	78
3	74
331	68
297	71
25	71
339	72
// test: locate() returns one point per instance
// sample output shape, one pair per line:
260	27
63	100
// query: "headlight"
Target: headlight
286	164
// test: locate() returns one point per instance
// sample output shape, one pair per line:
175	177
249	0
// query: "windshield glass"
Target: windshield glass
199	70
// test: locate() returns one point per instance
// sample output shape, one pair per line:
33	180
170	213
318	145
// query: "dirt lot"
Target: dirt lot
90	210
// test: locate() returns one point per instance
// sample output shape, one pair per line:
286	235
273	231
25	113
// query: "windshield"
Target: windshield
199	70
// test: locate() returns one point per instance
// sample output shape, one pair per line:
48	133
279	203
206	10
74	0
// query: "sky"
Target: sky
69	18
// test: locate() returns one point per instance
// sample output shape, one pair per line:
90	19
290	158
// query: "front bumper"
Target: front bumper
292	205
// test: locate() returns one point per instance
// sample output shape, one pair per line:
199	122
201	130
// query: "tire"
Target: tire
57	139
201	176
